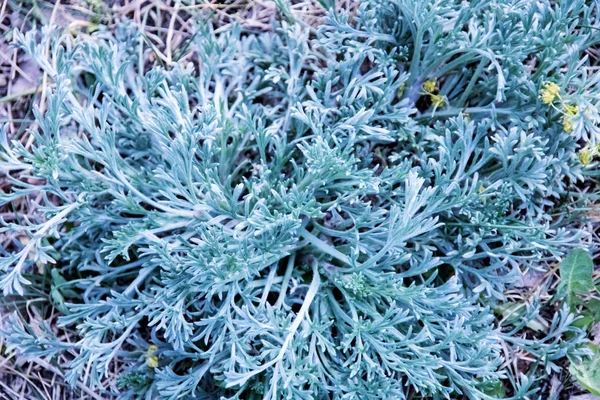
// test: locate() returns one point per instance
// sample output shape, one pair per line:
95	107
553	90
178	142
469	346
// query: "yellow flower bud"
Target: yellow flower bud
567	125
437	100
151	357
549	92
585	156
429	86
570	110
480	191
401	89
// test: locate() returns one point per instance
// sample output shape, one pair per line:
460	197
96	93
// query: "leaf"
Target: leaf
593	307
589	314
513	313
587	371
494	389
576	272
584	322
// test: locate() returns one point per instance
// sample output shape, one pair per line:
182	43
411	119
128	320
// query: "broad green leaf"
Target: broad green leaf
494	389
587	371
593	308
584	322
576	272
589	314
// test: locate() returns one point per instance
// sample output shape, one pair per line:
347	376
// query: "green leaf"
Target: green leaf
587	371
589	314
576	272
584	322
513	314
494	389
593	308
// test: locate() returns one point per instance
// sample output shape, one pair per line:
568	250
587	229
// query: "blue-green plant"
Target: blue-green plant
305	213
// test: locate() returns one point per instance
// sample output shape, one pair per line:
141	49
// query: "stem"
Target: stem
286	280
494	226
416	58
136	282
450	112
268	285
310	295
325	248
463	98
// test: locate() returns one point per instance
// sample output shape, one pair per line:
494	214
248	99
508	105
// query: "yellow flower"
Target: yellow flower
570	111
429	86
437	100
480	191
567	125
549	92
585	156
151	357
401	89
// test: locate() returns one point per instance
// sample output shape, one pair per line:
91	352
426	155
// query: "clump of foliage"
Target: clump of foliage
307	213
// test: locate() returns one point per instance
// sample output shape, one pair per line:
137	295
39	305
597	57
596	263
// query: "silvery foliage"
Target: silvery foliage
287	217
